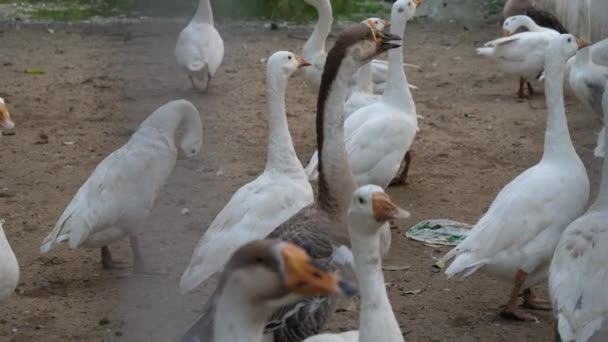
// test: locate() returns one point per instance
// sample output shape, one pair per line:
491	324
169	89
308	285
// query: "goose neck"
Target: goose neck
204	13
396	90
557	136
583	57
167	119
281	153
376	309
602	196
336	182
237	319
365	79
316	43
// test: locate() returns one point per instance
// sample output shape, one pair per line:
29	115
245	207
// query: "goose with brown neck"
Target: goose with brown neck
200	49
118	196
321	228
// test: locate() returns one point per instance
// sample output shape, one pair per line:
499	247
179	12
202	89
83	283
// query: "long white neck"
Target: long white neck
557	135
365	79
532	26
377	321
173	115
316	43
281	154
237	319
396	91
336	181
204	13
601	202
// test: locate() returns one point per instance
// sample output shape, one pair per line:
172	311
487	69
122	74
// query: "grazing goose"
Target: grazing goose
9	268
578	273
5	117
528	7
516	22
314	49
394	118
517	236
260	277
521	54
321	228
587	79
118	196
258	207
370	209
200	48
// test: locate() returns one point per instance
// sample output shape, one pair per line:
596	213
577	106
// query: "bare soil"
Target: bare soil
100	82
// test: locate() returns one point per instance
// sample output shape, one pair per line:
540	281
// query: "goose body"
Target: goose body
369	210
200	49
378	136
9	268
512	24
522	55
515	239
119	194
321	228
258	207
578	273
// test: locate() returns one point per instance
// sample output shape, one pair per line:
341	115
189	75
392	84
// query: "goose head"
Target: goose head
512	24
376	24
404	10
273	273
191	142
5	117
565	46
370	206
318	3
285	64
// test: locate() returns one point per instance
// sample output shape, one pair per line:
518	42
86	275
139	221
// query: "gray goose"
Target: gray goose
259	278
321	228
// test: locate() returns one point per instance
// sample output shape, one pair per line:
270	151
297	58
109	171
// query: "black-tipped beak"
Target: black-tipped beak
347	288
389	41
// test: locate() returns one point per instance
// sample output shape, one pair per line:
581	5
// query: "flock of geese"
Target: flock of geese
286	257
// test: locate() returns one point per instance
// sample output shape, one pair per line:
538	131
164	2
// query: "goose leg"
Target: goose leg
530	89
106	260
533	303
510	311
403	176
520	92
138	260
556	332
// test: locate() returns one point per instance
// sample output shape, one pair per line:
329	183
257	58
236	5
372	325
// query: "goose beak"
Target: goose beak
506	33
582	43
387	25
418	2
384	39
5	118
384	209
306	277
301	62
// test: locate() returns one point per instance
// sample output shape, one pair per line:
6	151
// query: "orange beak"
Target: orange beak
582	43
384	209
506	33
418	2
301	62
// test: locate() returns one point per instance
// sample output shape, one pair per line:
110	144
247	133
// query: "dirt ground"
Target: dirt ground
100	82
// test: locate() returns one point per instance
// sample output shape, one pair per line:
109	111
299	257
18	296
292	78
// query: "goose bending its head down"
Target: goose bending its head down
578	273
528	8
516	22
370	209
258	207
321	228
5	117
200	49
520	54
118	196
516	238
9	268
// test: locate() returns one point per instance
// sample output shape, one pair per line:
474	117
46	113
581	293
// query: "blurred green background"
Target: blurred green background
289	10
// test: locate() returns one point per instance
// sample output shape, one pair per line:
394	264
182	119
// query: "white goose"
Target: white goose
517	236
578	273
521	54
370	209
314	49
258	207
118	196
394	118
512	24
259	278
587	79
9	268
200	48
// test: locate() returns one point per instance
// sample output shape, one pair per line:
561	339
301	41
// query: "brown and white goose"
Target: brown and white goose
321	228
259	278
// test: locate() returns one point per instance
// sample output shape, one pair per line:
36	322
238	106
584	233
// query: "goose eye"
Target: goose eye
289	57
193	151
569	40
361	200
400	9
